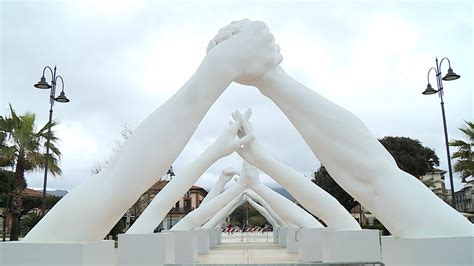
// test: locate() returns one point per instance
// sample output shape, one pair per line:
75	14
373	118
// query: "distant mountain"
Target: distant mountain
278	189
57	192
283	192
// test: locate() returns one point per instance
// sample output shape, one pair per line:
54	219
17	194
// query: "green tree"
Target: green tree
30	203
257	221
410	155
117	229
29	222
464	164
240	214
6	178
324	180
22	148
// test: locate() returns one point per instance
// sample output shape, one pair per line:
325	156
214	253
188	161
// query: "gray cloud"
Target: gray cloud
120	62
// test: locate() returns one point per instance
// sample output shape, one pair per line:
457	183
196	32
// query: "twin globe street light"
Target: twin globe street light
429	91
43	84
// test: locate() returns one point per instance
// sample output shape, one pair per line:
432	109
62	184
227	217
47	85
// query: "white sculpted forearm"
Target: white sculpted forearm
223	213
312	197
361	165
149	141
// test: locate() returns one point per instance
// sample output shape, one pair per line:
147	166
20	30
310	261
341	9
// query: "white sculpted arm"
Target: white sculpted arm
152	147
205	212
360	164
225	176
224	212
172	192
281	205
312	197
263	212
255	197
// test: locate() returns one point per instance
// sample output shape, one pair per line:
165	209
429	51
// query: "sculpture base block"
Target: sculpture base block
212	237
218	236
47	254
275	235
203	236
351	246
282	234
291	240
145	249
428	251
310	247
186	246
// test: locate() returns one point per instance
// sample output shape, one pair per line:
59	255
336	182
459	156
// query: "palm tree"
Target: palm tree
464	155
22	149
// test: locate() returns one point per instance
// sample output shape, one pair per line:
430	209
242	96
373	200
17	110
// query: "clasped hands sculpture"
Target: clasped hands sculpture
245	52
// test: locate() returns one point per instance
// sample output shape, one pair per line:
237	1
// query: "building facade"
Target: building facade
463	199
434	180
187	203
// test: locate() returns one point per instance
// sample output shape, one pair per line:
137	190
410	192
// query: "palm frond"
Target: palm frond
53	149
15	119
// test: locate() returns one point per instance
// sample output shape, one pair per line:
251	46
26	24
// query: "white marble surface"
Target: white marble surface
47	254
351	246
429	251
146	249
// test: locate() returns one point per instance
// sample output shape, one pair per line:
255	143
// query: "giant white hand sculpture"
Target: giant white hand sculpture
312	197
229	208
225	176
248	178
360	164
255	197
224	212
205	212
285	208
263	212
152	147
171	193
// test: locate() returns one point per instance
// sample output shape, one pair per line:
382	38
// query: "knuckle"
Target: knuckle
268	37
259	24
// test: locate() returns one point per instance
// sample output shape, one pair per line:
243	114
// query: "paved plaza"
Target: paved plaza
248	248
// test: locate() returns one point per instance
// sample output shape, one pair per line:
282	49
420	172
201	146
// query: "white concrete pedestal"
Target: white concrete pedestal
186	246
47	254
212	238
282	234
428	251
291	240
351	246
310	247
145	249
218	236
203	236
275	234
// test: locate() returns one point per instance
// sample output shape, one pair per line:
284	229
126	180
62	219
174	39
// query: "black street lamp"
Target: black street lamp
429	91
43	84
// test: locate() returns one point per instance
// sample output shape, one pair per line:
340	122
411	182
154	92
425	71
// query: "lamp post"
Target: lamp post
43	84
429	91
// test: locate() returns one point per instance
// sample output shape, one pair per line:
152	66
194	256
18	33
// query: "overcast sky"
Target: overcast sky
121	59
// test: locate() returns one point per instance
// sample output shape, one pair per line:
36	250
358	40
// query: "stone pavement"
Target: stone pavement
248	248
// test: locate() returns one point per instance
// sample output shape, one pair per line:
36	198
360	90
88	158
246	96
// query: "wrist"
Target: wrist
213	153
266	162
218	67
270	80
